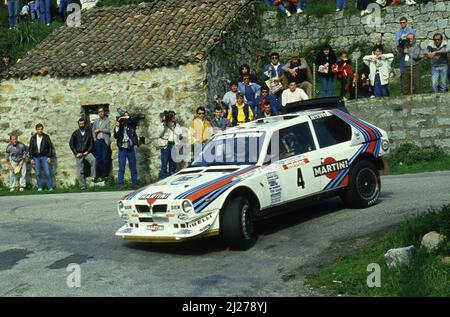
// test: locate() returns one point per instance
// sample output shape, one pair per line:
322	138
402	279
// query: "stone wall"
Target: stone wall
423	120
57	103
239	45
301	31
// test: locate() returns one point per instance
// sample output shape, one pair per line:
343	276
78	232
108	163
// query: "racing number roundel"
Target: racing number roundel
327	161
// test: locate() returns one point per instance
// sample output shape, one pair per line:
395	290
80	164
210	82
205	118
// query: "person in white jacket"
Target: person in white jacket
380	68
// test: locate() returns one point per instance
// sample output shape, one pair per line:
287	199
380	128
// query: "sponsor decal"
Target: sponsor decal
183	216
176	207
184	231
204	228
126	230
158	195
199	221
135	215
274	187
128	207
295	164
272	168
155	227
330	168
185	178
319	115
239	135
125	217
170	215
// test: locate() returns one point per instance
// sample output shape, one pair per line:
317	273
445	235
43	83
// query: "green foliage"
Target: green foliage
24	37
409	158
426	275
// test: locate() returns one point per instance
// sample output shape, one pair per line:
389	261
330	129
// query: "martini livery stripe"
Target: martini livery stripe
202	190
133	194
340	179
185	194
370	133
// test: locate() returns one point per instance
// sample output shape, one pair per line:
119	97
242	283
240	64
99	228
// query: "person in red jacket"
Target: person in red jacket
344	74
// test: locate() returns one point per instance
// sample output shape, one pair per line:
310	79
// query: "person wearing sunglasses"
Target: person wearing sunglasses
200	130
437	54
401	41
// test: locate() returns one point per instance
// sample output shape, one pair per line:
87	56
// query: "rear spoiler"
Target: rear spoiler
326	103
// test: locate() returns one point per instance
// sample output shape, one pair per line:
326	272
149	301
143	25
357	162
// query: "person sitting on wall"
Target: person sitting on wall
251	91
263	98
244	69
295	3
267	111
293	94
241	112
229	99
299	71
272	75
219	123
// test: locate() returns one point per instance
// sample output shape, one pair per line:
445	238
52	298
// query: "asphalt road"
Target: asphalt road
41	234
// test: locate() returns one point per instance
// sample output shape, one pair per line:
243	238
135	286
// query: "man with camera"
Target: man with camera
411	73
401	42
125	134
168	137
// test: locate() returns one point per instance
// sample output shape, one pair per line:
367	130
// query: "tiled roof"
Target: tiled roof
147	35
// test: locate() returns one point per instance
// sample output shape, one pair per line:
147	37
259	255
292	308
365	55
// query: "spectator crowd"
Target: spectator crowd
36	9
301	6
248	97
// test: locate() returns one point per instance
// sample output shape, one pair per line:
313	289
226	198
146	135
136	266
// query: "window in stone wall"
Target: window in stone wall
90	112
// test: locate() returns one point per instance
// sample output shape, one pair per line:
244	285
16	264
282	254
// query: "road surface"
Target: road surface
40	235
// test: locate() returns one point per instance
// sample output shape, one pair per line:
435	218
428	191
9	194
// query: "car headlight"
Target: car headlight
385	145
187	206
121	206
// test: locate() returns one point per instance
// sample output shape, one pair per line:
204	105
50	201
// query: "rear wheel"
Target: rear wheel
237	226
364	185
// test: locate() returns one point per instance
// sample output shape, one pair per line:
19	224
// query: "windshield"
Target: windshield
241	148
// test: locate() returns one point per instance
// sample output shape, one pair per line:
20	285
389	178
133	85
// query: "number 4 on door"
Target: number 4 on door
300	181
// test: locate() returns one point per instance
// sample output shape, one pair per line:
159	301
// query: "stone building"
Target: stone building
146	58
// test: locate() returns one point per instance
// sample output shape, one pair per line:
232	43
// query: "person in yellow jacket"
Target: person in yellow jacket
240	113
200	131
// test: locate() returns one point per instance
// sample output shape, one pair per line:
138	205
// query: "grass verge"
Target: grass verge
408	158
426	275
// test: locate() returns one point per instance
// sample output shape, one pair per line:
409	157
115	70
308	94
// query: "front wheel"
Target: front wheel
364	185
237	226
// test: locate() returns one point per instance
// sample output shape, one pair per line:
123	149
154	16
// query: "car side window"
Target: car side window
331	130
295	140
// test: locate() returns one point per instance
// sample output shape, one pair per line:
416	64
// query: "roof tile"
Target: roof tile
146	35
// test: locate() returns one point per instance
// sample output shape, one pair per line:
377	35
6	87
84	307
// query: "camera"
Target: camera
167	116
402	43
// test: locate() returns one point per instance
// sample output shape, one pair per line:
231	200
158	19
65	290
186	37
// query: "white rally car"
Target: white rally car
260	169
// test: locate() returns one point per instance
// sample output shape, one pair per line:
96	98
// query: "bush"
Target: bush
409	154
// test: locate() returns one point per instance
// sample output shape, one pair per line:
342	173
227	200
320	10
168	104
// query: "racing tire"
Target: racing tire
237	227
364	186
